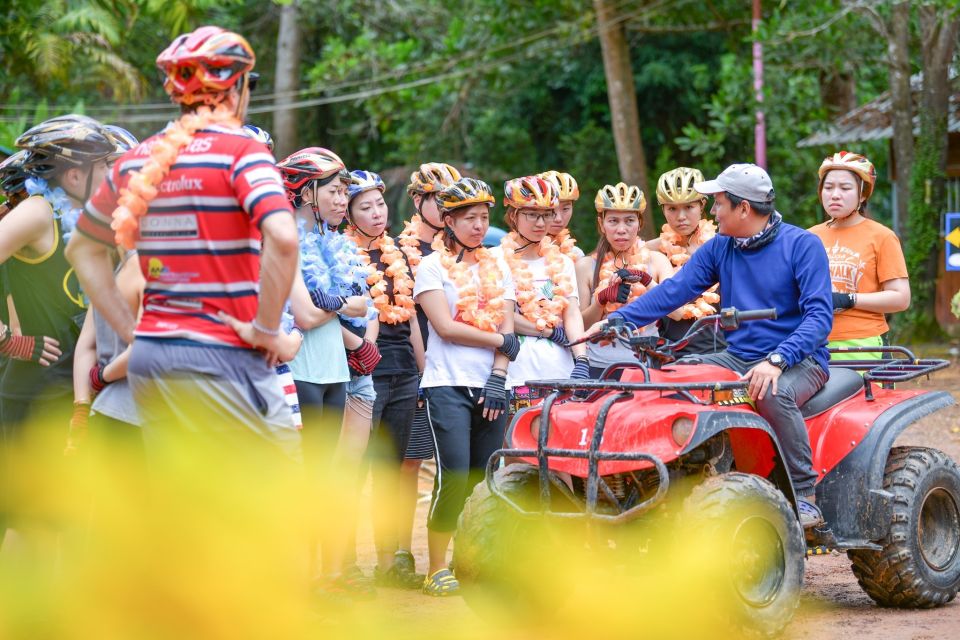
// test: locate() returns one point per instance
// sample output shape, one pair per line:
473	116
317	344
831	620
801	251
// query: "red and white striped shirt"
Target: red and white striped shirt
199	244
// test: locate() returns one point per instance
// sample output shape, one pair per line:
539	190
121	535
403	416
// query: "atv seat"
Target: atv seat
843	384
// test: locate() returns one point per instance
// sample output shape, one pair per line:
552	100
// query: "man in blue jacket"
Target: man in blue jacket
761	262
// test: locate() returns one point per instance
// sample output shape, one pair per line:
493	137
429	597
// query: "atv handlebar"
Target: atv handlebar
728	319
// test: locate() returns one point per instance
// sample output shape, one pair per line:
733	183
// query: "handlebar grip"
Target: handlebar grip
757	314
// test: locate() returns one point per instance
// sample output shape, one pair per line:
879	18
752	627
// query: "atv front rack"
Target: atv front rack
595	483
890	369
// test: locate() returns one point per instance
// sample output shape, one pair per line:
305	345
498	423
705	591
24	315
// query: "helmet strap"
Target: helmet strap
423	218
464	247
86	191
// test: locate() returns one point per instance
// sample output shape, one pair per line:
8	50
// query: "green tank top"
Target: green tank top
47	298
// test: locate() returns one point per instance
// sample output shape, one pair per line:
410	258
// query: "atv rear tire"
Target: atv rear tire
919	566
756	551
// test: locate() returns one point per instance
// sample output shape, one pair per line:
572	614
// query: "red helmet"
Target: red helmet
201	66
306	165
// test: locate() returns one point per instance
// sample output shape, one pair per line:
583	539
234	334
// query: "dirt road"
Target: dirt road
832	606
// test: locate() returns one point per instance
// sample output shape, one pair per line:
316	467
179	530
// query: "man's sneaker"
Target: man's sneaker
810	515
352	585
404	560
397	577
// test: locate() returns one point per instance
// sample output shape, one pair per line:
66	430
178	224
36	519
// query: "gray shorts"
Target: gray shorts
226	395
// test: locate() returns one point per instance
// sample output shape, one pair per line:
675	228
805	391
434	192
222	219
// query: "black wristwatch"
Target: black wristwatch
777	360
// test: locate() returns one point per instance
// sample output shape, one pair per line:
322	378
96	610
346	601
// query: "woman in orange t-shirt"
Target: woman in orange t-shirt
867	267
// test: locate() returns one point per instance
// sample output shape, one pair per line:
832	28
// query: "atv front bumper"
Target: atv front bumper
595	484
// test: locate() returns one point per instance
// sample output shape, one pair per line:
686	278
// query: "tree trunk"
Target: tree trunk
939	30
622	95
898	50
287	80
838	91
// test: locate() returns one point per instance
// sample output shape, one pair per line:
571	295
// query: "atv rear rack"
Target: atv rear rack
595	483
890	369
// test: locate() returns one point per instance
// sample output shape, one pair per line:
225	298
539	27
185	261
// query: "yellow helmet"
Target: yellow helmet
463	193
432	177
855	163
676	186
621	197
565	184
530	192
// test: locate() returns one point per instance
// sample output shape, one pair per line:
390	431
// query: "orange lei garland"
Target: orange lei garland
403	308
567	244
479	305
671	245
638	258
142	186
409	240
543	313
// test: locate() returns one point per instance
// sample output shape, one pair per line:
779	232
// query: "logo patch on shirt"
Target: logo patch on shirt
172	226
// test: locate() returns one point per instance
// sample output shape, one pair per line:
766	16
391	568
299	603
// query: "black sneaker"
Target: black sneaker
397	577
404	560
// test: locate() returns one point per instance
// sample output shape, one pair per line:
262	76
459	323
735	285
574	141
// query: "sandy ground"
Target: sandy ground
832	605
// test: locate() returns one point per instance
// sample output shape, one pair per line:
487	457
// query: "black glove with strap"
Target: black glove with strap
843	301
494	393
635	275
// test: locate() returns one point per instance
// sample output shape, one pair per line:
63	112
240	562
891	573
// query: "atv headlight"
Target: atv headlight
681	430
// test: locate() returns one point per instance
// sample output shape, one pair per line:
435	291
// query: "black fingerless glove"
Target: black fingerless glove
559	335
494	393
325	301
843	301
510	346
635	275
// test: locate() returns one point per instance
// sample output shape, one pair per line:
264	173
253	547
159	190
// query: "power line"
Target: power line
168	110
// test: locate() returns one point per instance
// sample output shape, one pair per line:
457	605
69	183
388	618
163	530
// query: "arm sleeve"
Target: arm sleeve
257	183
816	302
890	262
696	276
97	214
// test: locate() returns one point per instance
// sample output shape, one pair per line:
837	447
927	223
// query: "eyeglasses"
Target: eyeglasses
252	80
539	216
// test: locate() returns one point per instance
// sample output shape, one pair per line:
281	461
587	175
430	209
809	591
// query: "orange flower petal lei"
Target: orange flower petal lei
638	258
567	244
541	312
142	185
402	308
409	240
673	246
481	302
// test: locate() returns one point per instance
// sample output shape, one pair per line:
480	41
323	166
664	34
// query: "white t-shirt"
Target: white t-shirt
542	358
449	364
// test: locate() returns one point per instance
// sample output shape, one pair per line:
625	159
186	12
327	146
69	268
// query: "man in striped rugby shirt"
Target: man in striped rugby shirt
214	294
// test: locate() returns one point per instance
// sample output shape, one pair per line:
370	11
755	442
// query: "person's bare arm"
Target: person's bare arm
434	304
305	313
573	325
27	226
93	263
894	297
84	357
590	309
416	339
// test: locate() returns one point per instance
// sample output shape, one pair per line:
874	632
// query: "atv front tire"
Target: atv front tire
919	566
755	552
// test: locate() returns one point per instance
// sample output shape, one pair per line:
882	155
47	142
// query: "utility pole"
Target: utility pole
760	129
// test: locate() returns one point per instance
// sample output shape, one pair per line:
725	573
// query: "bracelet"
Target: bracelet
500	369
262	329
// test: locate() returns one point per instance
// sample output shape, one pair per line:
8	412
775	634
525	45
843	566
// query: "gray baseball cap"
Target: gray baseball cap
747	181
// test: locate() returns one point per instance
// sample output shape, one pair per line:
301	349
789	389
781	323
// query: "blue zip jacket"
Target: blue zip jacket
791	274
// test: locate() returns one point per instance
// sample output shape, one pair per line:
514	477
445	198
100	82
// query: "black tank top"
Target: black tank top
47	298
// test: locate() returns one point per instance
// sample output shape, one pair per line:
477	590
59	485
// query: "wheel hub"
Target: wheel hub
938	529
758	564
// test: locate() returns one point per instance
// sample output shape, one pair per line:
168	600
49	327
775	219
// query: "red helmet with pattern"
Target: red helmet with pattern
304	166
203	65
530	192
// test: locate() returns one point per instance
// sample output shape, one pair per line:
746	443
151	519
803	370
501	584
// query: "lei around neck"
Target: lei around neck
330	262
638	257
402	308
481	302
673	246
543	312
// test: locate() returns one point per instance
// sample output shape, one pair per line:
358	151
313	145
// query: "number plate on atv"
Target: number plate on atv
729	397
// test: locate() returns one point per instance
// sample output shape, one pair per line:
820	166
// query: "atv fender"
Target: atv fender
710	423
851	496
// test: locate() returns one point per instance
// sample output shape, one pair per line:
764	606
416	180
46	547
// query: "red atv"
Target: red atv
690	433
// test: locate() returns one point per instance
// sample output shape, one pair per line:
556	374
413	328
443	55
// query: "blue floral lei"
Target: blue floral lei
59	201
329	261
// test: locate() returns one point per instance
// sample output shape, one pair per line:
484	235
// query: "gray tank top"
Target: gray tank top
116	399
